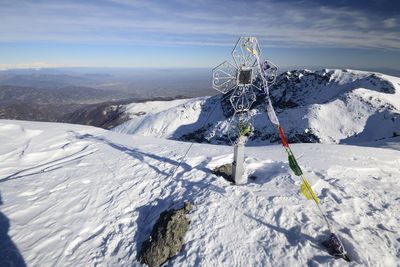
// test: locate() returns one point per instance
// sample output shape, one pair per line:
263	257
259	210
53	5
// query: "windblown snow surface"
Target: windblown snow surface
82	196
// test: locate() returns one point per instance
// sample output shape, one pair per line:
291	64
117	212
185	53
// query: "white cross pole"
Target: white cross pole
238	160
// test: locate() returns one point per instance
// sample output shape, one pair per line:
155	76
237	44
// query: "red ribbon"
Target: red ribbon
283	138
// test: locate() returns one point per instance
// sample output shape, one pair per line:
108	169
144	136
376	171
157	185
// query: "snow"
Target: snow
166	119
152	107
360	116
352	107
82	196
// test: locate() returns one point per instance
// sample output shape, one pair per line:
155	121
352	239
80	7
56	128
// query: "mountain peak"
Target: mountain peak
327	106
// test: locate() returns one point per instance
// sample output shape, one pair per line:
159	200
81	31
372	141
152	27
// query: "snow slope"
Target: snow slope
82	196
162	118
327	106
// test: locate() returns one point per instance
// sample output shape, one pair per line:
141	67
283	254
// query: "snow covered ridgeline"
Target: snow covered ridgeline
82	196
328	106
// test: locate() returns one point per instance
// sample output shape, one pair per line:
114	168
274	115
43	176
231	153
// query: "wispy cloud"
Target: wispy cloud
194	23
390	23
37	65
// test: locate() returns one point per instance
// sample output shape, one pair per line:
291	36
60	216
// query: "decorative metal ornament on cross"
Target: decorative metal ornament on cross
242	80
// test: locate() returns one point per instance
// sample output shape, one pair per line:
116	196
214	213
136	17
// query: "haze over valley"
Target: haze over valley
53	94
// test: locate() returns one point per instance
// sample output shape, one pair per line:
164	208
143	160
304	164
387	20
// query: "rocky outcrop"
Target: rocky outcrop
225	171
104	115
167	237
307	104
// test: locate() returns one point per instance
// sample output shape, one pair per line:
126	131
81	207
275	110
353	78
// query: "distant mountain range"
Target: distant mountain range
45	104
327	106
75	95
56	96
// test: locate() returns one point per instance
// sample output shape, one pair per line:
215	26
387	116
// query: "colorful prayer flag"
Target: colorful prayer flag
307	191
294	166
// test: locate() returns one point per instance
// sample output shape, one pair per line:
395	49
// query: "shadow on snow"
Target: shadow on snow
9	253
189	190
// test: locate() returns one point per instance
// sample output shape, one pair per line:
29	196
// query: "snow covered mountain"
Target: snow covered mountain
75	195
327	106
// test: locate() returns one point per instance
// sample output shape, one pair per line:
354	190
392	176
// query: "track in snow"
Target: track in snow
82	196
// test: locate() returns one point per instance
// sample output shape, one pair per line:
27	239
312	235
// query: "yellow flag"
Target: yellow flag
251	50
307	191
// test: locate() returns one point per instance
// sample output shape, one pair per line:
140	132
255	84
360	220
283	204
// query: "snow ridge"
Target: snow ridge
327	106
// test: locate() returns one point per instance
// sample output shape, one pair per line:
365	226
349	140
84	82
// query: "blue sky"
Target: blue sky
198	33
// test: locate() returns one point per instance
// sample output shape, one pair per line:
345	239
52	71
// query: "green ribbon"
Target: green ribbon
294	166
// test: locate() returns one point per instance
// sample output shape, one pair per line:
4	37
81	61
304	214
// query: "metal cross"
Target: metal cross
243	78
247	75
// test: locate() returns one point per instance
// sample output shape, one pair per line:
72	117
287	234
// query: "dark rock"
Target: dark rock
225	171
103	115
253	178
196	136
167	237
